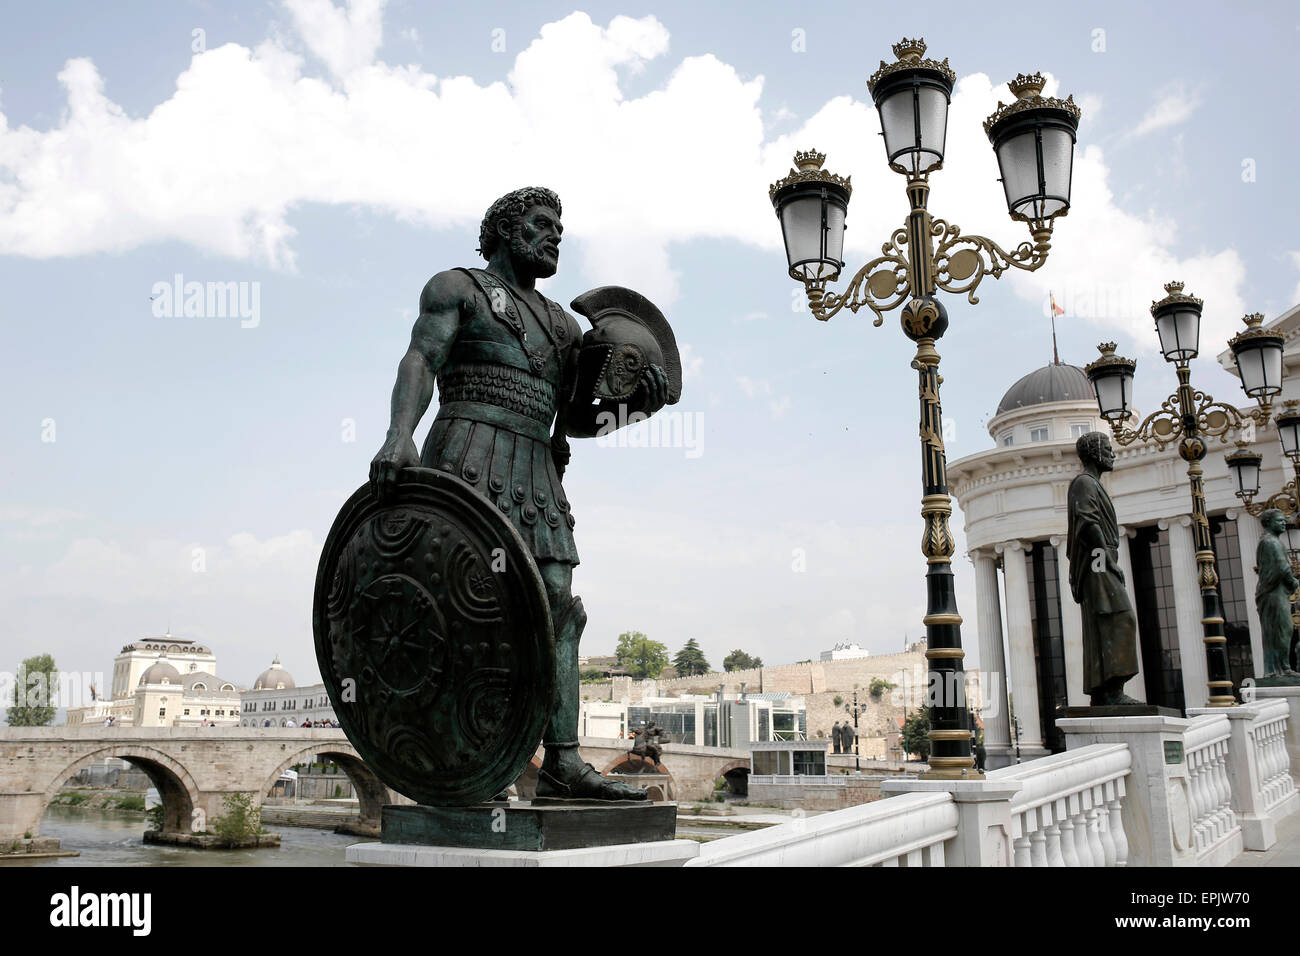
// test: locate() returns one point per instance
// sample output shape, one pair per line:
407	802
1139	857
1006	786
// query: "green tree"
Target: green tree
241	822
916	733
690	660
878	686
738	660
640	656
32	704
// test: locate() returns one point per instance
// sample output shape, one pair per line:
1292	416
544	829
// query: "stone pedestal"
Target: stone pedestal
1157	806
663	853
529	833
532	825
984	834
1292	696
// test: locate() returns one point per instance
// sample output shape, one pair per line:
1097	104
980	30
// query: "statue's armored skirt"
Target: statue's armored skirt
492	431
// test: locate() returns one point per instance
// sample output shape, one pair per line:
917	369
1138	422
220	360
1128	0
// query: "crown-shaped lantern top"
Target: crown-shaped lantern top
1175	296
808	169
1109	359
906	49
808	160
1026	85
1027	88
1253	320
911	56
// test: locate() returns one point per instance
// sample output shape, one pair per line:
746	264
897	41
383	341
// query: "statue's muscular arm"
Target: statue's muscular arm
431	340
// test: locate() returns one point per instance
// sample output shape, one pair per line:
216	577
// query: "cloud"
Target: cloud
345	40
1175	105
1295	261
249	135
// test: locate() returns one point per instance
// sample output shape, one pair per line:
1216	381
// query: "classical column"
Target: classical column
1248	531
1187	602
1020	634
993	666
1137	686
1071	627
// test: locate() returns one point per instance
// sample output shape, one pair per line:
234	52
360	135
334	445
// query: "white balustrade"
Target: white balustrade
1268	735
1206	750
1068	812
906	830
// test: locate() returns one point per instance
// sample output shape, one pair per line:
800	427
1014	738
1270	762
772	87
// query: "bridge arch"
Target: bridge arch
736	776
176	787
372	794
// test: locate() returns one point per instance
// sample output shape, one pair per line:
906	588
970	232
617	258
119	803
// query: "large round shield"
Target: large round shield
434	639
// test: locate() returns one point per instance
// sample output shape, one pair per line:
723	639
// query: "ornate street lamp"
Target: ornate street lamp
1188	417
1033	139
1258	352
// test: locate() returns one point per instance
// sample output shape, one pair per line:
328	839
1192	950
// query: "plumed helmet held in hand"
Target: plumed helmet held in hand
628	335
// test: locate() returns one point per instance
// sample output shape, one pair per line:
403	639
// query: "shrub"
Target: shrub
241	821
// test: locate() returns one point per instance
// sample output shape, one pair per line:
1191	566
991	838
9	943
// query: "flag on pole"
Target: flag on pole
1056	309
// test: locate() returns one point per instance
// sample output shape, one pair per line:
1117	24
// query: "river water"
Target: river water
116	839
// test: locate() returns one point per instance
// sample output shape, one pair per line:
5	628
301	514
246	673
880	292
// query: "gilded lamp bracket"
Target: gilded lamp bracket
958	265
1205	418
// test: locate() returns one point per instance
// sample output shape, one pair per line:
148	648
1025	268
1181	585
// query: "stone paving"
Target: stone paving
1285	852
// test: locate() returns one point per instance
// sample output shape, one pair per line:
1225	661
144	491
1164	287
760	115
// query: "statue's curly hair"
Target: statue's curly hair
511	207
1267	516
1089	446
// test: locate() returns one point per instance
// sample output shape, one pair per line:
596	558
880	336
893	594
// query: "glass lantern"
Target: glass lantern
1034	139
1112	381
912	95
812	206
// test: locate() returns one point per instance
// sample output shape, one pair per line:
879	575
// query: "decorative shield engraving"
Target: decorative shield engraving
434	639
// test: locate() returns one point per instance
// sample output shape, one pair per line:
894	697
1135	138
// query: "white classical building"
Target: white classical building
1013	499
276	700
163	682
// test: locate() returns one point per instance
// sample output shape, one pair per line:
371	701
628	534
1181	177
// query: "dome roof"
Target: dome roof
274	677
1051	383
161	672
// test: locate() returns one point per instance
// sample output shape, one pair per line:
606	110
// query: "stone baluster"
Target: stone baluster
1052	827
1102	819
1069	846
1021	848
1080	821
1038	847
1115	807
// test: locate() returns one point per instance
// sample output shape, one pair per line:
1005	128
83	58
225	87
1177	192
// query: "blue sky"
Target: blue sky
337	157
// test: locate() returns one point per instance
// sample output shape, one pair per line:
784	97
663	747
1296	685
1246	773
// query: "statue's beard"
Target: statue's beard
533	257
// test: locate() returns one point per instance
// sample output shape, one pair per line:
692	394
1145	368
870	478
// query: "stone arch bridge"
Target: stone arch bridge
195	768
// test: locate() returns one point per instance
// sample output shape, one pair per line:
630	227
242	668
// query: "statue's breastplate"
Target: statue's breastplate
503	356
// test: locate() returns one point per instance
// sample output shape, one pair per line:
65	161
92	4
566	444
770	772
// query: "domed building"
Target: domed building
1013	503
277	701
165	697
163	682
274	677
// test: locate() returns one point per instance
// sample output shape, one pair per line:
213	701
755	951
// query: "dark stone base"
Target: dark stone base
210	841
536	825
1123	710
1277	681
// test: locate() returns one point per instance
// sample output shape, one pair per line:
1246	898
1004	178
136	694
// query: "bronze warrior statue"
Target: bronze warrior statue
1277	582
1096	581
448	643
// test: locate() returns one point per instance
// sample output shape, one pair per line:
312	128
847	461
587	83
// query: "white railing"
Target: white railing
1069	811
811	779
907	830
1206	746
1268	736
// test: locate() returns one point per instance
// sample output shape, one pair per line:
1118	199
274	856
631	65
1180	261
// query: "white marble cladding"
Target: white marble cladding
908	830
1069	810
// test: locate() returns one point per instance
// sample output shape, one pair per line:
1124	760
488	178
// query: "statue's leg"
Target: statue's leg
564	773
569	619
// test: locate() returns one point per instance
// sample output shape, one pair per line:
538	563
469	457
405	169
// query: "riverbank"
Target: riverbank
103	799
